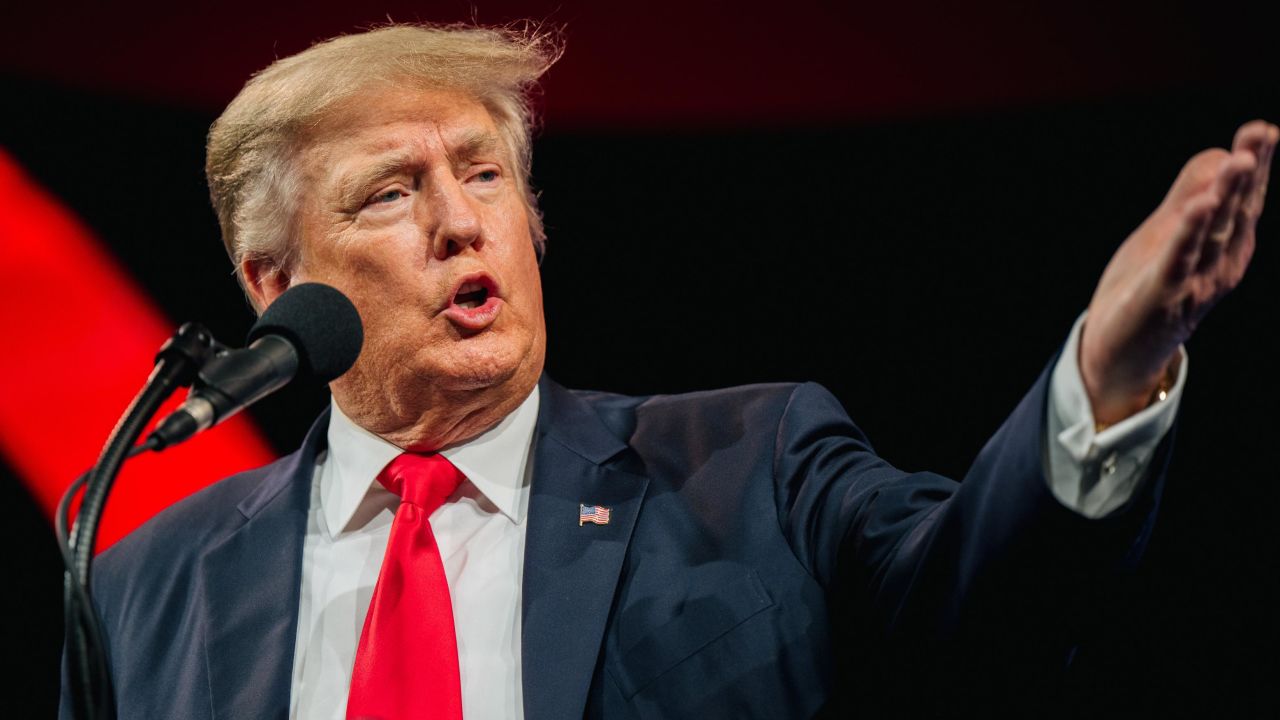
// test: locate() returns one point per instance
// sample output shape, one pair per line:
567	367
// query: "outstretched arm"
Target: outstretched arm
999	549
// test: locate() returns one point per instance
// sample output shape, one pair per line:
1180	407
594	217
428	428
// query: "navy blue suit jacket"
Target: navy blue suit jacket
714	591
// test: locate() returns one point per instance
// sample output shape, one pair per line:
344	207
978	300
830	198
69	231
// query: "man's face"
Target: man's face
411	208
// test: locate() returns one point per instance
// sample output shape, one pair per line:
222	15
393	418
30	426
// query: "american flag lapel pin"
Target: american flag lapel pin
597	514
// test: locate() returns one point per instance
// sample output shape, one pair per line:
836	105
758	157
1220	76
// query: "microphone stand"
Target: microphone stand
177	363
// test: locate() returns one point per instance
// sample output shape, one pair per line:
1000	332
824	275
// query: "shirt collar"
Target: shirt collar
496	462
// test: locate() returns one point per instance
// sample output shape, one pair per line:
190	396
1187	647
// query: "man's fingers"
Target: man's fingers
1257	138
1184	253
1264	172
1250	134
1234	182
1198	174
1224	220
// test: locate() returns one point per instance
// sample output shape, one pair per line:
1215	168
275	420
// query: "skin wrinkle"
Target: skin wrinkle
421	382
355	187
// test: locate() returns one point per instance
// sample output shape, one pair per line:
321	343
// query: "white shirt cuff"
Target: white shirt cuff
1095	473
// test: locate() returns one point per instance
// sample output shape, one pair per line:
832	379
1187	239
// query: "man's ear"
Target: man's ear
264	280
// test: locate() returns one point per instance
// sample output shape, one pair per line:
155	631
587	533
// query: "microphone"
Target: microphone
311	330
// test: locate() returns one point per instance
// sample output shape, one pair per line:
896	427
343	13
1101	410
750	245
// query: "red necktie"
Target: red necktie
406	666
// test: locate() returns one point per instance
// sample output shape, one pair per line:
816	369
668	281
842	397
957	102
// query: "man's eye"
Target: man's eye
387	197
487	176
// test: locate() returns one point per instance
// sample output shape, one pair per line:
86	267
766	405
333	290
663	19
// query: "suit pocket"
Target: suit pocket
702	620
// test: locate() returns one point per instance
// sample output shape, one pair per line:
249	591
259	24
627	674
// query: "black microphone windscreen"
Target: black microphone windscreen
321	323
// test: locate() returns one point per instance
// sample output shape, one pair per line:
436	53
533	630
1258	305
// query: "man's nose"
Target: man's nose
454	223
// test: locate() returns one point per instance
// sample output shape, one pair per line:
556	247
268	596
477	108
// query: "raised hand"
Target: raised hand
1166	276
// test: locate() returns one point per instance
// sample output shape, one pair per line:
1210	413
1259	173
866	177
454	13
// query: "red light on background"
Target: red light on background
80	341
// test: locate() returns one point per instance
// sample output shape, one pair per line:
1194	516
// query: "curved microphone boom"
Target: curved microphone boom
311	330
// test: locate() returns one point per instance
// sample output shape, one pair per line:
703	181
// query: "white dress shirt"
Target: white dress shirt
481	533
480	530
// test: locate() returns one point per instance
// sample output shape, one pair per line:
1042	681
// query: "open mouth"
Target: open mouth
471	295
476	303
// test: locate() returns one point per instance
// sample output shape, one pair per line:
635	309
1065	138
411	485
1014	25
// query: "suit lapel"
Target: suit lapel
252	581
571	570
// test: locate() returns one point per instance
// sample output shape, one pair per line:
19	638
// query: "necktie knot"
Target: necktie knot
422	480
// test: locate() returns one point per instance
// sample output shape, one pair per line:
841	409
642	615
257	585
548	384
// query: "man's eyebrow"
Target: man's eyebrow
471	145
353	185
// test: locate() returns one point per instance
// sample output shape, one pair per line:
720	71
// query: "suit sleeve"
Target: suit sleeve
941	559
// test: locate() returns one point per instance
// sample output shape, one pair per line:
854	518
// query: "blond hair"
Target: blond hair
249	160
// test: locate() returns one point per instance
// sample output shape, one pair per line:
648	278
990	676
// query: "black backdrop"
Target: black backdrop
924	270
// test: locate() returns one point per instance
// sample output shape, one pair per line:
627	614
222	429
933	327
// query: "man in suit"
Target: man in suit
692	555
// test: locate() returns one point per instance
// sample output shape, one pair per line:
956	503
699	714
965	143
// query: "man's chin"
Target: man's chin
476	371
476	379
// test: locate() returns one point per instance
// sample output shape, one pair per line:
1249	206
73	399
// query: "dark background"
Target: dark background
909	205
